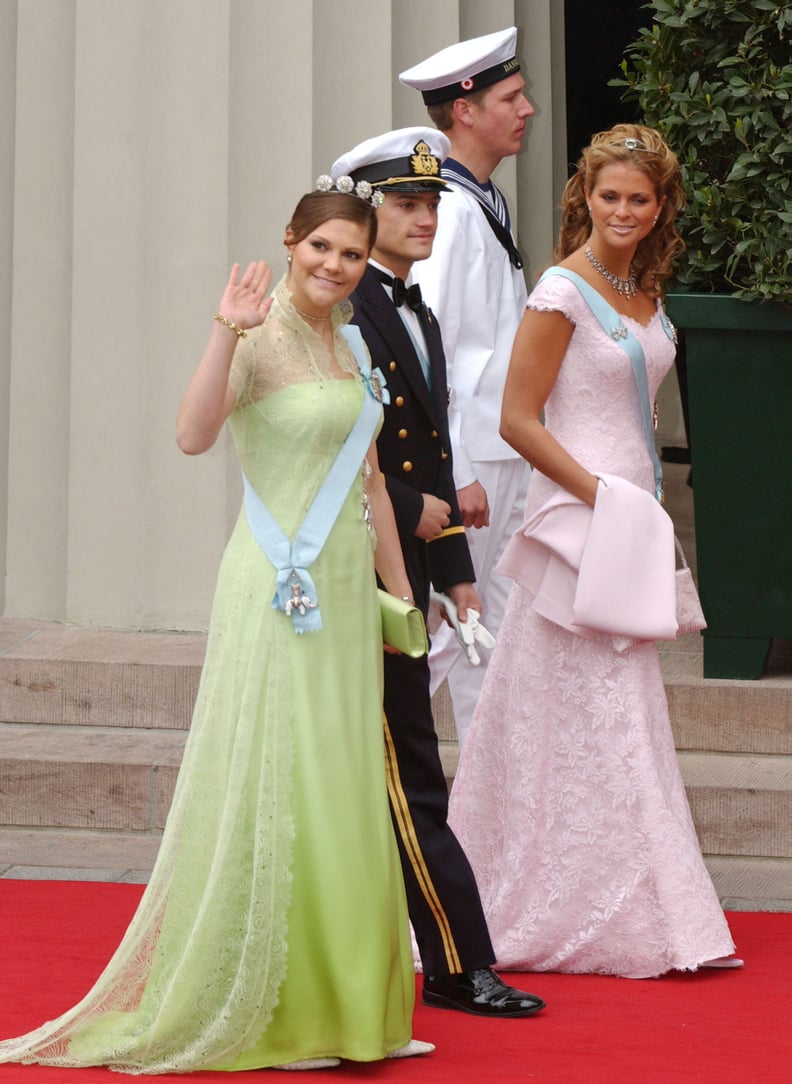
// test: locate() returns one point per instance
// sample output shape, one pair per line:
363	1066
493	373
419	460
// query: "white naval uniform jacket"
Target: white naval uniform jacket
478	299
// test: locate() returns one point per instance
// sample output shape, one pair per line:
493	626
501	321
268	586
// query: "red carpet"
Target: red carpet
730	1027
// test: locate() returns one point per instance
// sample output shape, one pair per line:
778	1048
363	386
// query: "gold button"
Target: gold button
434	434
399	400
444	455
392	366
402	434
407	465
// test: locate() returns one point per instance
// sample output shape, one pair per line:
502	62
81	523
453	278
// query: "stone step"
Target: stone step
729	716
82	677
123	779
93	724
751	884
742	884
87	777
68	854
741	804
67	676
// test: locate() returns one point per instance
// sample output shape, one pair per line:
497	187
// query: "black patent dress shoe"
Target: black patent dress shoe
480	992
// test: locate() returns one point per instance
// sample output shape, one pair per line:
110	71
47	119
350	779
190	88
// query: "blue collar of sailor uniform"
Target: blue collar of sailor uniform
489	194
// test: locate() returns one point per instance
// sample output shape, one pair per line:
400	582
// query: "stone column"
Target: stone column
148	146
8	61
39	364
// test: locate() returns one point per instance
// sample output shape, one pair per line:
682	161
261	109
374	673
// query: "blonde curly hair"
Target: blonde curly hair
645	149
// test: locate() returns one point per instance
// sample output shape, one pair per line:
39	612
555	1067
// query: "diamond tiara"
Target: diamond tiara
363	189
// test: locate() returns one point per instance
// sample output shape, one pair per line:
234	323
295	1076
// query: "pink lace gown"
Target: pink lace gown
568	799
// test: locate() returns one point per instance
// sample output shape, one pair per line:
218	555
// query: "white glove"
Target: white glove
467	632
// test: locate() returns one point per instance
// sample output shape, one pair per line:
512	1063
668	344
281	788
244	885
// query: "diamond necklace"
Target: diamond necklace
626	287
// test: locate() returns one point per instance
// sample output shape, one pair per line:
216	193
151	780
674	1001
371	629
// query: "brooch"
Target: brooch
376	384
298	601
668	327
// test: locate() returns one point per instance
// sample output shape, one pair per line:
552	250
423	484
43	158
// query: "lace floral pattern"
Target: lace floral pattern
272	357
216	904
568	799
270	367
207	959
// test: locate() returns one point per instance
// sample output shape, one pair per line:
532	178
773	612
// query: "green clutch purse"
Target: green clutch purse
402	625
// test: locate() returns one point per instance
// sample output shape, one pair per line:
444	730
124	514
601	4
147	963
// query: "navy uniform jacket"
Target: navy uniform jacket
414	455
413	446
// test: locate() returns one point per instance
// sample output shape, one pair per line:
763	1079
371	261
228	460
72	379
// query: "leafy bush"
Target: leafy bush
715	78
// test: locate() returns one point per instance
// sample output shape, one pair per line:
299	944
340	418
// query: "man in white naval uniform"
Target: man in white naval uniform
475	285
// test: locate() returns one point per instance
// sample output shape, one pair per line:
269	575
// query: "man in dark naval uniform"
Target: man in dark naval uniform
414	454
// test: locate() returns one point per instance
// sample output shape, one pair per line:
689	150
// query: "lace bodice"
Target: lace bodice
286	350
593	409
292	394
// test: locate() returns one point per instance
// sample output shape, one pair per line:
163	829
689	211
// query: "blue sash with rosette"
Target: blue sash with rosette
612	323
295	591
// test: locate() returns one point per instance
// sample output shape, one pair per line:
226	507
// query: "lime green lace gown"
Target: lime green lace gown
274	927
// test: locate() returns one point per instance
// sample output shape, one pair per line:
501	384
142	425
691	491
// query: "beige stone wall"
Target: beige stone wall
144	146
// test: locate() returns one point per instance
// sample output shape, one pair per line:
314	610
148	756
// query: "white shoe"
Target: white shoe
724	961
417	965
310	1063
412	1049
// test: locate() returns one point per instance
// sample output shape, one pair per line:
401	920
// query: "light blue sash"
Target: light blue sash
611	322
420	353
295	591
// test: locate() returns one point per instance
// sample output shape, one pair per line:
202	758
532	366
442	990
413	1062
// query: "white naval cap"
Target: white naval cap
408	159
465	67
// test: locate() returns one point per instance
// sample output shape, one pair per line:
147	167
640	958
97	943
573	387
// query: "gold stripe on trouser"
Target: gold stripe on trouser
412	846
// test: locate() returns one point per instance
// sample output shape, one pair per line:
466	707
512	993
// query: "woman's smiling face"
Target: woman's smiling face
327	265
623	204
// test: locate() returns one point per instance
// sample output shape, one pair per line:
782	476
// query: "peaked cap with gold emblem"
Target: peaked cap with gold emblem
408	159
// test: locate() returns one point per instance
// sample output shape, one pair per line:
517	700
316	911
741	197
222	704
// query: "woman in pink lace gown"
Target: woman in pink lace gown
568	799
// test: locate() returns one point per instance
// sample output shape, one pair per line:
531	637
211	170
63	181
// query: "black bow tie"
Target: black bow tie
409	295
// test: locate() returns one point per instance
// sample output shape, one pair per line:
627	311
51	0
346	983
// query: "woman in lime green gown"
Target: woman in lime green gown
274	929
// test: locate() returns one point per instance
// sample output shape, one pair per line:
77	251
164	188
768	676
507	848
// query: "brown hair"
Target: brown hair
316	208
645	149
442	114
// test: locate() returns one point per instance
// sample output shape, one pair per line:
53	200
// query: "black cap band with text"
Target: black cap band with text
469	86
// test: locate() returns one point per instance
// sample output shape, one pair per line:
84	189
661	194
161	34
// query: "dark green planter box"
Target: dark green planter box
739	372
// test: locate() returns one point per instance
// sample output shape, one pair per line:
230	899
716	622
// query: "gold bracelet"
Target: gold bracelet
224	320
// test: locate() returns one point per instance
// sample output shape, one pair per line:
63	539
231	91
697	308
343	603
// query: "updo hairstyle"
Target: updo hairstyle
644	148
316	208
